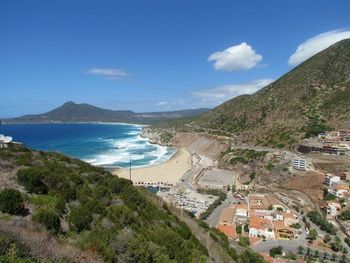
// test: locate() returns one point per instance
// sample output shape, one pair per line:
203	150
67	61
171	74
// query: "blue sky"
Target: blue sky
154	55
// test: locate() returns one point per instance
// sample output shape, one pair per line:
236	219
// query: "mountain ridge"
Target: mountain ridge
310	98
71	112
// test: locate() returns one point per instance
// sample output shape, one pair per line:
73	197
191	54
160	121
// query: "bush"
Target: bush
33	180
49	219
244	241
10	201
276	251
80	219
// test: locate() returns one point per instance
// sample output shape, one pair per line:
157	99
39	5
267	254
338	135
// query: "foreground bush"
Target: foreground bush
49	219
10	201
80	219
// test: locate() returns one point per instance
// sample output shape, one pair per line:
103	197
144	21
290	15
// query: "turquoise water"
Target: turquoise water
98	144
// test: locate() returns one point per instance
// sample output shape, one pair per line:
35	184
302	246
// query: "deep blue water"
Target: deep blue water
98	144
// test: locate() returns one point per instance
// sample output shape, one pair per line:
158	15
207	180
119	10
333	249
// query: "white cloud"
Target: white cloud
240	57
316	44
162	103
218	95
110	73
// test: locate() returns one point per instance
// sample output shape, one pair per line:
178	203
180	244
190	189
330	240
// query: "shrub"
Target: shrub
275	251
49	219
243	241
10	201
33	180
80	219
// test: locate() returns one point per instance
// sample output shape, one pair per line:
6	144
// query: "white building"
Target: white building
4	141
260	227
299	164
331	179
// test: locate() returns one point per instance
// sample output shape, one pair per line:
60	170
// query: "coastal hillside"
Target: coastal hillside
312	97
73	112
57	209
95	215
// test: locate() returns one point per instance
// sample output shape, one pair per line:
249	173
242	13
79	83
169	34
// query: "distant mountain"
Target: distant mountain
73	112
312	97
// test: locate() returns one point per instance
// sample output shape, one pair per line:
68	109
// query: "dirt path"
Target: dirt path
43	246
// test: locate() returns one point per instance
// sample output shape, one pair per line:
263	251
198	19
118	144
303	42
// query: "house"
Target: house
282	231
339	190
241	213
331	209
331	179
290	219
260	227
299	164
227	216
5	141
345	176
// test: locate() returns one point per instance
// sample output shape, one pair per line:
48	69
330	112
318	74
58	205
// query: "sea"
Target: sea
109	145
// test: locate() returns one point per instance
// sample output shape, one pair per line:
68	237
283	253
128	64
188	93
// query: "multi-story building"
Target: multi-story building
299	164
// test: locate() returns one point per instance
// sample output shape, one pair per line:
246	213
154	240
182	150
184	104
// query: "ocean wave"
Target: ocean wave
120	150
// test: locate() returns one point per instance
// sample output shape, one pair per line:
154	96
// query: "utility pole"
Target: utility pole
130	168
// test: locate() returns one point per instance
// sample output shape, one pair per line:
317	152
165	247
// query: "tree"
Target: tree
249	256
325	255
327	238
243	241
300	250
334	257
246	228
313	234
316	253
239	229
275	251
10	201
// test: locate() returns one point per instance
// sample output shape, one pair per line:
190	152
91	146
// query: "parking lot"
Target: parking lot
189	200
216	178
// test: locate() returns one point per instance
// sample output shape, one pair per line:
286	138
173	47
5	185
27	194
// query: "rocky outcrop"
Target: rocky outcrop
159	136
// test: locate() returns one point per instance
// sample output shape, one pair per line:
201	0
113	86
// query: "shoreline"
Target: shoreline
170	171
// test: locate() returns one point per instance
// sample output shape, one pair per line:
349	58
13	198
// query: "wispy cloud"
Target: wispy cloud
162	103
316	44
240	57
110	73
217	95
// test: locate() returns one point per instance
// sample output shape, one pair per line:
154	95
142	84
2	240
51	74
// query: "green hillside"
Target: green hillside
92	209
312	97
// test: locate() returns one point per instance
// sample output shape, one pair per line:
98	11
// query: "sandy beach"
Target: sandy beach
169	172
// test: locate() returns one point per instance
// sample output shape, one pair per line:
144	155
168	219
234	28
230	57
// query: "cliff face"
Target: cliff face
158	135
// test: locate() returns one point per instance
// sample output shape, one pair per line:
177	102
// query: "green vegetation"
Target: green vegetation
11	201
244	156
48	218
319	220
102	212
276	251
13	252
215	204
310	98
166	136
270	166
296	225
345	215
243	241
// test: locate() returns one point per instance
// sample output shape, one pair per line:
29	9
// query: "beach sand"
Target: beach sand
169	172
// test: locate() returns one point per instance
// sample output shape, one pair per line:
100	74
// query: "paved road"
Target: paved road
213	219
